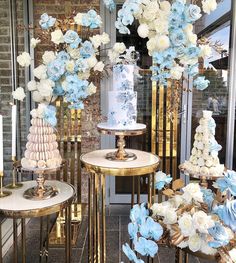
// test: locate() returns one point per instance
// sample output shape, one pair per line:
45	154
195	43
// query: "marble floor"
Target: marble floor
117	221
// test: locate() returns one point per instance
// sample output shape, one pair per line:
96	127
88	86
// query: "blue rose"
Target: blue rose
200	83
91	19
49	115
87	49
193	70
46	21
72	38
161	179
208	197
55	69
228	182
192	51
212	125
220	236
109	4
180	51
146	247
178	37
227	213
62	55
127	19
192	13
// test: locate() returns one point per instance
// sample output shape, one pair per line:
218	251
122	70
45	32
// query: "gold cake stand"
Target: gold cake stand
120	154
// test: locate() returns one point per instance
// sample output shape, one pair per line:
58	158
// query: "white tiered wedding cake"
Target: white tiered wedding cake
204	159
122	100
42	148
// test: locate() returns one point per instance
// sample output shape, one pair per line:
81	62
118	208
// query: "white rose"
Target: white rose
192	191
24	59
186	225
192	38
92	61
40	72
165	6
206	51
150	11
84	75
183	244
19	94
208	6
119	47
74	52
91	89
188	28
40	110
206	249
78	18
45	87
202	222
37	97
48	57
57	37
170	216
232	254
143	30
96	40
99	66
176	201
32	85
159	209
195	243
161	26
162	42
34	42
176	72
113	56
105	38
151	45
70	66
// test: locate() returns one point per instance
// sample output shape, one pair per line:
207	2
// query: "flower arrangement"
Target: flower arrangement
171	41
193	218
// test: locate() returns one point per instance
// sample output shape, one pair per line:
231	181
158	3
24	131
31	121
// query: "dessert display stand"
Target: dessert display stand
99	166
16	206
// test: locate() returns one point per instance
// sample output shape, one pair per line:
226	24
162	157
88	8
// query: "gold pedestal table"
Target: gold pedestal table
17	207
99	167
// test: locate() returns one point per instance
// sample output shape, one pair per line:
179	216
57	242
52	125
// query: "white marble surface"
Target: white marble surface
16	202
107	126
97	158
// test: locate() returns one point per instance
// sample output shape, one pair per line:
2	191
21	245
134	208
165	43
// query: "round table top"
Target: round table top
16	206
107	128
144	164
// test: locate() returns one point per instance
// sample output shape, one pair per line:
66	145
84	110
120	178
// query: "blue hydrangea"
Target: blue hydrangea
72	38
109	4
177	37
46	21
228	182
55	69
58	90
208	197
220	236
192	51
49	115
200	83
81	65
91	19
63	55
192	13
87	49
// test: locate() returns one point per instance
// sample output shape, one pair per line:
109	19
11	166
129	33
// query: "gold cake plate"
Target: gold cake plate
120	154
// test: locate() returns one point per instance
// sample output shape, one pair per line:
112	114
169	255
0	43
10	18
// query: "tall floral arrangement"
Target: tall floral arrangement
193	218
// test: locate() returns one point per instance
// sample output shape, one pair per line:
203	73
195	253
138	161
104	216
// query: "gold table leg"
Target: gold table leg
90	220
23	240
94	221
68	234
41	240
1	259
103	182
15	239
138	190
133	192
97	194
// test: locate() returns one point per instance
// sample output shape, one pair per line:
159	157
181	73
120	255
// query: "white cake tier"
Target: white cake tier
41	147
33	164
123	77
41	138
39	122
122	109
41	130
41	155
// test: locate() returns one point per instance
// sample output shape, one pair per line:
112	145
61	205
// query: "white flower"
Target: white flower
78	18
45	87
91	89
192	38
188	28
99	66
37	97
24	59
232	254
19	94
34	113
105	38
96	40
150	11
84	75
57	37
48	57
40	72
113	56
165	6
192	191
161	26
186	225
183	244
206	249
32	85
162	42
34	42
70	66
195	243
92	61
176	201
208	6
151	45
176	72
170	216
159	209
202	222
143	30
74	52
119	47
206	51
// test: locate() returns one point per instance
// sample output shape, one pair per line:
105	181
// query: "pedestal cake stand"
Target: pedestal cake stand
120	154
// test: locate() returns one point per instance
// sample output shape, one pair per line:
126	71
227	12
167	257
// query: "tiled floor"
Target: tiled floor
117	221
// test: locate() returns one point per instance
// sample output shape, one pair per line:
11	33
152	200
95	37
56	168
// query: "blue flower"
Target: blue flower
214	146
91	19
212	125
227	213
161	179
72	38
200	83
180	51
139	213
55	69
177	37
122	28
193	70
46	21
177	8
110	4
208	197
220	236
62	55
130	254
87	50
228	182
81	65
127	19
49	115
146	247
132	230
192	13
192	51
58	90
151	229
